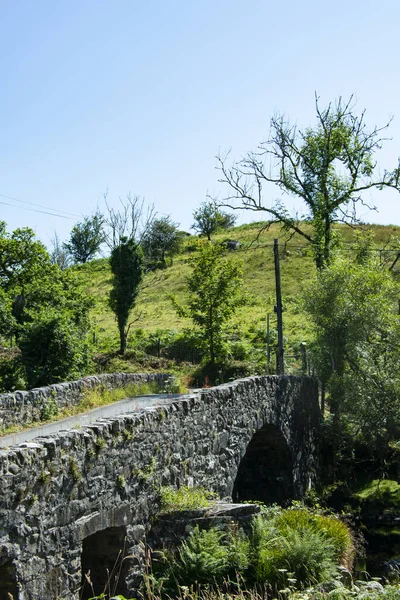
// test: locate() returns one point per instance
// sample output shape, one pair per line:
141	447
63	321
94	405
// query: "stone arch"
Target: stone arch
8	581
102	562
265	472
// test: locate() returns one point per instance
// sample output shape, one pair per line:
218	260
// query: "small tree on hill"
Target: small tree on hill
161	239
86	238
126	263
214	287
208	219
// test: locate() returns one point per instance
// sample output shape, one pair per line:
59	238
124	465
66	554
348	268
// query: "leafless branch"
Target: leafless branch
131	221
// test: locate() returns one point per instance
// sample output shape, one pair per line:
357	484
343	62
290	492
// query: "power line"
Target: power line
45	212
55	210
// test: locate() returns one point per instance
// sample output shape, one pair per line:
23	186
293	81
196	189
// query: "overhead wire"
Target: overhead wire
45	212
48	208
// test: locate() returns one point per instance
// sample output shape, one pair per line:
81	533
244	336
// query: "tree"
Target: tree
59	254
130	222
208	219
22	258
214	294
44	309
86	238
161	239
353	306
327	167
126	263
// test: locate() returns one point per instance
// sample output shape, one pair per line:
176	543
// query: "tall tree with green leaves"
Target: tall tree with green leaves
214	293
86	238
208	219
126	263
353	306
329	167
44	310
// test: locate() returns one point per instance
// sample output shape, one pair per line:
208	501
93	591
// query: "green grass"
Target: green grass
380	492
185	498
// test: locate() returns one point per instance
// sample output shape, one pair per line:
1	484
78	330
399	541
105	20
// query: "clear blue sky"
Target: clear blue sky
140	96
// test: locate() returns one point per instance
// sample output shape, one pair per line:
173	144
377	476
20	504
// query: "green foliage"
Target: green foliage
330	526
86	238
306	555
160	240
126	263
12	374
185	498
44	309
208	219
382	493
353	305
53	349
210	557
214	287
360	590
23	258
290	548
49	409
101	395
306	545
74	470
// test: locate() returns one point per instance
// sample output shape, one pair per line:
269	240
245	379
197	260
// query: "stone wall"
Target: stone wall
104	480
23	408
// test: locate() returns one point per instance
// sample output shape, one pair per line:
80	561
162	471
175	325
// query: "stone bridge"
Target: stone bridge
70	503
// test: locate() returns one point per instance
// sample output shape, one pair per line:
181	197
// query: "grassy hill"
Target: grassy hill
155	314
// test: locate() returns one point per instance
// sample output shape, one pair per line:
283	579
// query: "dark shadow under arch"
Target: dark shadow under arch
8	581
102	563
266	471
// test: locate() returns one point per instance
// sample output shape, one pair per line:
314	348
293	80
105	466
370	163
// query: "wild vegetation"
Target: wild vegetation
292	553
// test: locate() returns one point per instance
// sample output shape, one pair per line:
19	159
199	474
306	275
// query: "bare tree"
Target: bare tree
59	254
328	167
130	222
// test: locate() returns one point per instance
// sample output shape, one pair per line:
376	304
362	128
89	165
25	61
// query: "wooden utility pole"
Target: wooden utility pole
268	345
280	367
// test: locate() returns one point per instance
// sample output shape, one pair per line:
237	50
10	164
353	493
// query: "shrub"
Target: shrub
53	349
11	374
185	498
211	557
331	527
202	558
308	556
306	545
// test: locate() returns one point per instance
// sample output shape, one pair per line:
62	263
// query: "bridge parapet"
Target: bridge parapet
26	407
57	492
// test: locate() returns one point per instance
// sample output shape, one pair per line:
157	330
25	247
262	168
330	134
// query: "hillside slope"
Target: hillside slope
154	311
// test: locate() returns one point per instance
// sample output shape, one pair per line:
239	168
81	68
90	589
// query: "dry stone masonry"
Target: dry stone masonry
24	408
71	502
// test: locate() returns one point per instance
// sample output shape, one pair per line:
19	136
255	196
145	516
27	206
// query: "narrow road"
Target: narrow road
129	405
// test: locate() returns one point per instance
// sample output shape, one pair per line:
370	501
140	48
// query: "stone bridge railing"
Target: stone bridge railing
24	408
64	498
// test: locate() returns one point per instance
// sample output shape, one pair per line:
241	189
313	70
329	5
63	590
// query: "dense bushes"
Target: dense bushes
292	547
